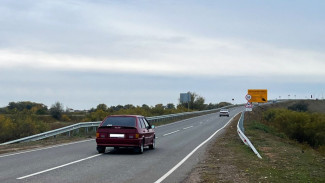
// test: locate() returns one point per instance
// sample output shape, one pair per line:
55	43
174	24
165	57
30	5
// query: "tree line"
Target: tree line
20	119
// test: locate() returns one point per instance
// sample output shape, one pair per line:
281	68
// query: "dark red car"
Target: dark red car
125	131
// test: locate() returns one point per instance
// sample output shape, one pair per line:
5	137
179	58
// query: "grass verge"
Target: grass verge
229	160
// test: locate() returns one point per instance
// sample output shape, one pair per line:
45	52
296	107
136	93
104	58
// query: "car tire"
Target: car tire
139	150
101	149
153	145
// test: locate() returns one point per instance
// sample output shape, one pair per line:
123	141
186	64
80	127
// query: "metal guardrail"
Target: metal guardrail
240	130
95	124
55	132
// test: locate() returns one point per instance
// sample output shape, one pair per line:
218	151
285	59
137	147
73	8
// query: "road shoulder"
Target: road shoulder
216	164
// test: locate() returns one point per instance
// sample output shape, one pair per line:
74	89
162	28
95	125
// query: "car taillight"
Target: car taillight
100	135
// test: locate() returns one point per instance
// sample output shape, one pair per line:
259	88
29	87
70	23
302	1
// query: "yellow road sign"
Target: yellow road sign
258	95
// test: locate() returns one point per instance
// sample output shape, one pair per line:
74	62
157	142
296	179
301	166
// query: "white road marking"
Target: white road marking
191	153
187	127
180	121
171	133
45	148
54	168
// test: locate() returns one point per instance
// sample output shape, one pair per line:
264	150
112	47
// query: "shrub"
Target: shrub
300	107
98	115
301	126
6	128
56	110
65	118
20	125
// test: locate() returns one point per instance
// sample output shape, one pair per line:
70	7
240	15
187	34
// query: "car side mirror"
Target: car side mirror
153	126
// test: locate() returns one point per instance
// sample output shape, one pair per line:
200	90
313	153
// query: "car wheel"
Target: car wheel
153	146
139	150
101	149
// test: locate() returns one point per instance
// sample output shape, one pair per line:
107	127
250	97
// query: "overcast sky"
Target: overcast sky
86	52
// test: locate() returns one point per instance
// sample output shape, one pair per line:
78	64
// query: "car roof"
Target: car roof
125	115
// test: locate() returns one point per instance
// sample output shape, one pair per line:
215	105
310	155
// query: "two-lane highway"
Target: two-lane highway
179	147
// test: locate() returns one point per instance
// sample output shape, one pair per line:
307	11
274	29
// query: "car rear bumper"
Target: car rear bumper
224	114
118	142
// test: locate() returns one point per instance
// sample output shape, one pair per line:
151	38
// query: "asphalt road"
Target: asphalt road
80	162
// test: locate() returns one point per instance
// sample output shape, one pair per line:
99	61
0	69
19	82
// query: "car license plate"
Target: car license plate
116	135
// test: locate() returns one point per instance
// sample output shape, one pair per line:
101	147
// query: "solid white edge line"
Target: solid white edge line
50	169
191	153
44	148
171	133
187	127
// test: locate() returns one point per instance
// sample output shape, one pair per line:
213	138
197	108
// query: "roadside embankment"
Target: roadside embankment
284	160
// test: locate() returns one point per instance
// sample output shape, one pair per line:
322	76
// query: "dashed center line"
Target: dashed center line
187	127
171	133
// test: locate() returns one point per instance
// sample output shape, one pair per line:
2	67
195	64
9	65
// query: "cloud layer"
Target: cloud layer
197	57
171	46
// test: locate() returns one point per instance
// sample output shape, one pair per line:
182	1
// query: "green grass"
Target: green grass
284	160
254	125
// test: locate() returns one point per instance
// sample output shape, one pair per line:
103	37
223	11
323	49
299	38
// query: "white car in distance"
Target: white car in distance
224	112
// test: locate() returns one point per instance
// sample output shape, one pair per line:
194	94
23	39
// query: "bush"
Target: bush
6	128
98	115
65	118
56	110
300	107
301	126
20	125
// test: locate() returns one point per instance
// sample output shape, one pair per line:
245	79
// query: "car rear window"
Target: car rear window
120	121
